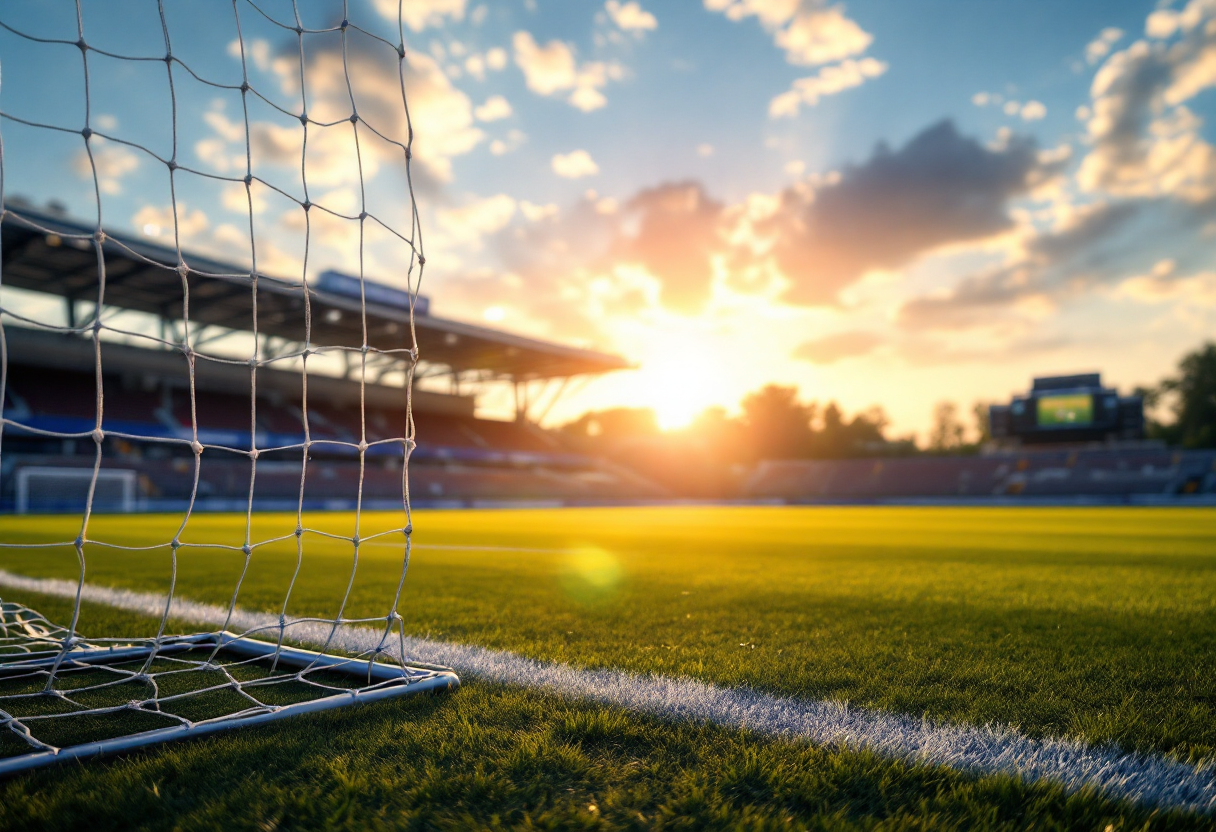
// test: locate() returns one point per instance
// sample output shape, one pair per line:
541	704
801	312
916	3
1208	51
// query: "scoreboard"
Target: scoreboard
1069	409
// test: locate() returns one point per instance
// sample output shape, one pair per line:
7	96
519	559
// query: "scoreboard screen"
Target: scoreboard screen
1066	411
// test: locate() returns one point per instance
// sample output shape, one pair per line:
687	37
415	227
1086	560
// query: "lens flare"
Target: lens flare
590	573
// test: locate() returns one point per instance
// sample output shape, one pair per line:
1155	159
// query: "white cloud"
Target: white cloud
158	223
809	32
1033	111
475	65
547	69
1165	23
113	162
705	150
1100	46
575	165
1144	140
1162	284
496	58
553	69
495	107
257	51
512	142
535	213
421	14
493	60
828	81
441	113
630	17
469	223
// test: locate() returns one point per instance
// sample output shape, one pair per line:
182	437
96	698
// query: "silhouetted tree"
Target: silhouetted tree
983	425
947	431
777	424
1192	395
840	437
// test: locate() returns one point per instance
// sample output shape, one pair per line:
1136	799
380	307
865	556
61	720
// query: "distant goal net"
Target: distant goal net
141	154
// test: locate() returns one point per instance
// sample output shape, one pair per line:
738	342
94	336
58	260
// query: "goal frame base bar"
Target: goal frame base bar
391	681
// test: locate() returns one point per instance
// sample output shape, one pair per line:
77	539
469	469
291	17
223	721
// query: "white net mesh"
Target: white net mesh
59	692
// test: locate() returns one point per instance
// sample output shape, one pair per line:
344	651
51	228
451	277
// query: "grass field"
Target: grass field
1098	624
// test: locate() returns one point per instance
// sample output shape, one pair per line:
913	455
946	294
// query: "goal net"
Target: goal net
142	123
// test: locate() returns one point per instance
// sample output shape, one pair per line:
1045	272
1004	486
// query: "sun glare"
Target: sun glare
678	382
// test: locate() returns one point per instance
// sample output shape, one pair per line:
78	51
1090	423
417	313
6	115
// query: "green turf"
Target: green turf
1092	623
494	757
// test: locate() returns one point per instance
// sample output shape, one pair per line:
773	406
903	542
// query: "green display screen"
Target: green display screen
1074	410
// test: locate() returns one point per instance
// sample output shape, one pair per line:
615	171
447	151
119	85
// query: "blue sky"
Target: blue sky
879	202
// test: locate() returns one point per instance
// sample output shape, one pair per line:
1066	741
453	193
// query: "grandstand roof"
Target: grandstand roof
52	254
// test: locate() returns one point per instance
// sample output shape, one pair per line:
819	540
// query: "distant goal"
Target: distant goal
45	490
306	166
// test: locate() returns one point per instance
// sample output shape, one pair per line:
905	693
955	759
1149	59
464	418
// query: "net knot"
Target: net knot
401	51
355	540
304	118
247	549
248	179
254	453
168	57
82	46
182	270
282	621
408	530
175	544
87	133
344	24
79	541
306	205
362	215
98	435
99	236
244	86
299	530
362	445
354	118
421	260
197	447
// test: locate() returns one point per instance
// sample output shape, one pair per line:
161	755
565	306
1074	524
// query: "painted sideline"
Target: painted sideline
1144	779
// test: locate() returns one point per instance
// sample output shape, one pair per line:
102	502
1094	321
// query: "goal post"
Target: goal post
45	489
288	128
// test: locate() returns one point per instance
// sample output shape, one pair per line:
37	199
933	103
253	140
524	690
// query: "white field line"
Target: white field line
1144	779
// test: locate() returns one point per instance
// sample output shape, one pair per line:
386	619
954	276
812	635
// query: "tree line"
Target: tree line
709	457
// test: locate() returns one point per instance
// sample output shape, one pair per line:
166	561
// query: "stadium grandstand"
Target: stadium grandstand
460	459
1069	438
1132	474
